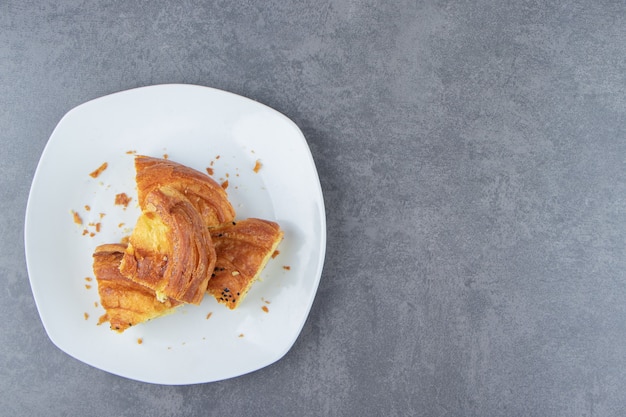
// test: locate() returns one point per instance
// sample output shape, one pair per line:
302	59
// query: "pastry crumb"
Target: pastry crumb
286	267
86	315
122	199
257	166
139	341
98	171
264	308
77	218
208	316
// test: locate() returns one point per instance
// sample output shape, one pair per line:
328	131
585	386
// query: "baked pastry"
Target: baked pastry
205	194
185	244
125	302
170	249
243	249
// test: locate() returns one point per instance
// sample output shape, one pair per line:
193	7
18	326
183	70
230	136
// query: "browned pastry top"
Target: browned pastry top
204	193
185	243
126	303
242	248
170	249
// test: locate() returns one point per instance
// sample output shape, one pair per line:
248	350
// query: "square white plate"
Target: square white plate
202	128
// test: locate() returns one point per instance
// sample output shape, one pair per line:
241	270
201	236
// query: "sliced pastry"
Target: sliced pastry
242	249
125	302
204	193
170	249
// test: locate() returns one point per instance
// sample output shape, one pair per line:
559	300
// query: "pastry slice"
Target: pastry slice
204	193
170	249
242	249
125	302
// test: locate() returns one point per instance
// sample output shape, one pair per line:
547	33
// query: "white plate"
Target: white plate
200	127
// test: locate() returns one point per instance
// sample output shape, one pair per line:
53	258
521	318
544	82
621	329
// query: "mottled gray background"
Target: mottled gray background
472	156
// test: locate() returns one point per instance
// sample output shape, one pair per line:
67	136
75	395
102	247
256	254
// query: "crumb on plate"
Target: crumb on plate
77	218
98	171
122	199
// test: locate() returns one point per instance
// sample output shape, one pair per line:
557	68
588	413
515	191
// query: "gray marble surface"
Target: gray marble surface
472	156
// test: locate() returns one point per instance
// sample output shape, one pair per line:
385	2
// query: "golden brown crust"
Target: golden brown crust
243	249
204	193
126	303
170	250
185	243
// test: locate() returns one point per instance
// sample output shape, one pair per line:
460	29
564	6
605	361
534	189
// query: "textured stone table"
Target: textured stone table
473	161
